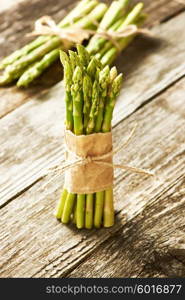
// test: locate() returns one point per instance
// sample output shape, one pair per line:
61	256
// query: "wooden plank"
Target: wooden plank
150	245
34	244
14	35
31	136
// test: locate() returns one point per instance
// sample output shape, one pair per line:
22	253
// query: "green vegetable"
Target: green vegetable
93	91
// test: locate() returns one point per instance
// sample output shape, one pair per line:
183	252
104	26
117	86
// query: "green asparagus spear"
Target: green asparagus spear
95	15
98	210
83	8
37	69
68	74
113	74
80	211
94	107
103	84
77	95
74	213
114	92
84	55
87	93
108	214
61	204
68	208
89	211
91	68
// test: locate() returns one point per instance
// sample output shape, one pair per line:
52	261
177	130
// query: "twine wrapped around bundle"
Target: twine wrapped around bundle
89	166
76	35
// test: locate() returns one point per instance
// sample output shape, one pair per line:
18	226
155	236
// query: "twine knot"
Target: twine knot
88	160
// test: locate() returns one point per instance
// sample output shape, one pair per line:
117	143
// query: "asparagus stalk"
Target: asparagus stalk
80	211
87	92
114	89
96	15
84	56
108	216
103	83
77	97
67	82
83	8
98	210
74	213
37	69
68	207
101	197
110	103
77	94
89	211
113	74
77	100
94	107
60	206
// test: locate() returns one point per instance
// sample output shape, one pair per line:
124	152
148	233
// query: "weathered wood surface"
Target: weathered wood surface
41	138
13	35
148	238
35	244
141	248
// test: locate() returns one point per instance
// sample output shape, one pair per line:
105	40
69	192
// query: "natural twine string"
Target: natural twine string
75	34
100	160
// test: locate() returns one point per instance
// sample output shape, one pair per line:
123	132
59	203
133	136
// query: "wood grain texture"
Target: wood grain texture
150	245
31	136
13	35
34	244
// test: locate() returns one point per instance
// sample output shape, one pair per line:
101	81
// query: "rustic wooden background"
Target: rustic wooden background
148	239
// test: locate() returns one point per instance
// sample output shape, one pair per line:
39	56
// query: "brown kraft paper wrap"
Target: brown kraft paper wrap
88	177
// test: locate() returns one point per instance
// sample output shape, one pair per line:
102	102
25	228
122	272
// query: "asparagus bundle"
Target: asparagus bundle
91	91
28	63
85	15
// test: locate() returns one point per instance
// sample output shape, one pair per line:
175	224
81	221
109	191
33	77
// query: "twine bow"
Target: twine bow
100	160
75	34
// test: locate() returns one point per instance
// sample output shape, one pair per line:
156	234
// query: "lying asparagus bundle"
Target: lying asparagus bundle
28	63
42	52
91	91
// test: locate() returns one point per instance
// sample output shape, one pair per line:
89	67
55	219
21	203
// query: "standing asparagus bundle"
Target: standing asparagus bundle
93	90
28	63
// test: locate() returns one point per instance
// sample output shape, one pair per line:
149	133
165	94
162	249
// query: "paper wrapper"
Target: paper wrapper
90	177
